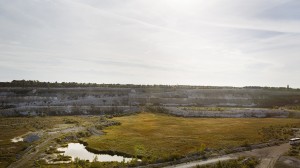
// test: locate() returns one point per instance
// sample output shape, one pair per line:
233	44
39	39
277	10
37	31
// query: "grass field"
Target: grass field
162	136
150	135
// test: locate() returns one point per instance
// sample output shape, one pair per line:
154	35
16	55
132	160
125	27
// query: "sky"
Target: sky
185	42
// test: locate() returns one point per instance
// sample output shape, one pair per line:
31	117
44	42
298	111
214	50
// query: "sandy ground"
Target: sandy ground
203	162
287	162
268	156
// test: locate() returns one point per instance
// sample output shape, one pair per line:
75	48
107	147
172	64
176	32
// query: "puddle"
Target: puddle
78	150
17	139
32	137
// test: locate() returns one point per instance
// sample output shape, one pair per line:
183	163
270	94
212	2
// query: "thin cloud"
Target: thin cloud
193	42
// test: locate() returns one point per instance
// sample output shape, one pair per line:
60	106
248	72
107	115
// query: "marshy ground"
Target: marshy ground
152	137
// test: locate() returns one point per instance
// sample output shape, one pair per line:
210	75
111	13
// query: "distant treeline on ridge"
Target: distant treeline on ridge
36	83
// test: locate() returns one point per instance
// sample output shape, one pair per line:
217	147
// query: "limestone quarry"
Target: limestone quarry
239	102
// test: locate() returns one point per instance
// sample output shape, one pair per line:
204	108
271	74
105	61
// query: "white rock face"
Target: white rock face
59	101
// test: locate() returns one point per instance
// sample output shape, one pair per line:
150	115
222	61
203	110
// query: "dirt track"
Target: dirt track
202	162
34	152
268	156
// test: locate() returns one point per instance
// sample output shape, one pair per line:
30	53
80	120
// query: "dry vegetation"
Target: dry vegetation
152	136
19	126
161	136
13	127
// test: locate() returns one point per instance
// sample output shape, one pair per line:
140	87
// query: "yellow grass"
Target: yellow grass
159	135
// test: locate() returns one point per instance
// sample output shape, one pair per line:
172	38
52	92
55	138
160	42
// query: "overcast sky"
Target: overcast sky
195	42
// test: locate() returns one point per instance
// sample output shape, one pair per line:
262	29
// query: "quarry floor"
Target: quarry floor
163	129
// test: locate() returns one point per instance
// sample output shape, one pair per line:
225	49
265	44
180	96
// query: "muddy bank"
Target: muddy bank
109	152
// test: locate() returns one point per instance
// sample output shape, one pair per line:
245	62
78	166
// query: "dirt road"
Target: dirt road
268	156
202	162
34	152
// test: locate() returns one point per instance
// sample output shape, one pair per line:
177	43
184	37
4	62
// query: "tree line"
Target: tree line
36	83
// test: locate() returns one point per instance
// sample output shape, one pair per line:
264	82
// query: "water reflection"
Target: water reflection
78	150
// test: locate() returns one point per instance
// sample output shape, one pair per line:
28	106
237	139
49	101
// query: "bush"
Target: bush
62	158
245	144
83	134
277	132
294	151
106	123
70	121
156	109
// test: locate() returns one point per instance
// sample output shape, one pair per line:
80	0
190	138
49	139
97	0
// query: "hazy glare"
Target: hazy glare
195	42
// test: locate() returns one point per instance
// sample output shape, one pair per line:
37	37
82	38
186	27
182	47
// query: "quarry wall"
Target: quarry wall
57	101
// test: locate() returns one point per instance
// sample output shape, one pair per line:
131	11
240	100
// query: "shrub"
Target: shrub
294	151
83	134
62	158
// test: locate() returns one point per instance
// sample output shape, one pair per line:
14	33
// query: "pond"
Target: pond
78	150
31	137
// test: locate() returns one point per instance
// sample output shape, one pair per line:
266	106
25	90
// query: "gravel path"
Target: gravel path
268	156
202	162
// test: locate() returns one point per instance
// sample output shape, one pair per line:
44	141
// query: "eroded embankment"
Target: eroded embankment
70	101
230	113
